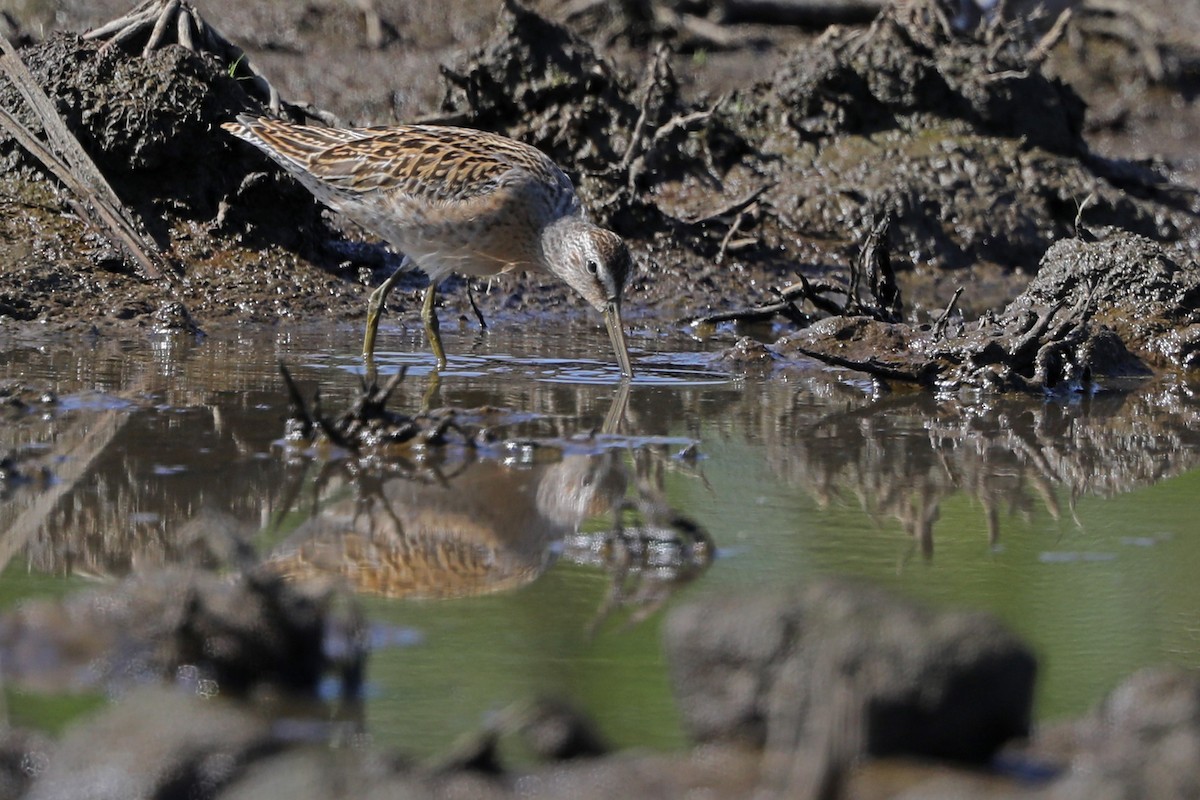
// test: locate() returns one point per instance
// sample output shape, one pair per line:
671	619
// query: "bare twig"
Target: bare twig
814	294
654	75
939	327
1042	49
184	31
165	18
734	207
763	313
1080	231
142	14
686	122
785	306
162	17
923	376
737	224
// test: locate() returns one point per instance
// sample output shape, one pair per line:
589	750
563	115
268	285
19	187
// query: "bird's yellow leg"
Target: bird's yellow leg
375	305
429	317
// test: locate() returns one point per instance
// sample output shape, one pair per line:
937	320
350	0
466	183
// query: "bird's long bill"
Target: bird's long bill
612	321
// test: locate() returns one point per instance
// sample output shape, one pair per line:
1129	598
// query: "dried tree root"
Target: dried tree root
1041	51
649	134
165	22
871	275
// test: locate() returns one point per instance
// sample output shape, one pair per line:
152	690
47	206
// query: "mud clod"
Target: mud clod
1109	309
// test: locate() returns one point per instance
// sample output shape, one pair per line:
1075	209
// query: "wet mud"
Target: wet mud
1096	310
976	154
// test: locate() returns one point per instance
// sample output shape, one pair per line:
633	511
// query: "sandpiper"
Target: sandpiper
453	200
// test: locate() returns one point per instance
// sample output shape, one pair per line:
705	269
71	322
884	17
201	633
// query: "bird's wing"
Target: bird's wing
297	143
430	163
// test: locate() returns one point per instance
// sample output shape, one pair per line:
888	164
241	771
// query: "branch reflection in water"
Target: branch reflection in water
474	516
902	455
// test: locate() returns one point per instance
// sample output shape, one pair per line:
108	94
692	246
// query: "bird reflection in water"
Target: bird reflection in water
470	521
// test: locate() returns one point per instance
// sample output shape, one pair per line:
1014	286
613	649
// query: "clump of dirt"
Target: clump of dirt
960	135
1114	308
243	240
545	86
539	83
911	68
148	125
1129	285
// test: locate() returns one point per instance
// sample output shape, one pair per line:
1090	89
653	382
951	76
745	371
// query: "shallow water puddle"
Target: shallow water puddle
541	565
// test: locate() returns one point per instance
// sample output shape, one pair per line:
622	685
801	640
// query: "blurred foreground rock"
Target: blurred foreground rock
154	744
1142	741
24	755
229	635
783	672
837	680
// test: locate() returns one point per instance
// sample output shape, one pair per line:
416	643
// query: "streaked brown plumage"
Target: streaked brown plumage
454	200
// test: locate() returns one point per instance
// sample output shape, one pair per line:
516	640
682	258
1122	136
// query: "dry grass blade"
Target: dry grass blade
65	158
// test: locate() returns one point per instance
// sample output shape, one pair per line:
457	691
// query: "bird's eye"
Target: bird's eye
592	266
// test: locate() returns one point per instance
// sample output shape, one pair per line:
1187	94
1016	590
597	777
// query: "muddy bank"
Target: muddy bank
979	157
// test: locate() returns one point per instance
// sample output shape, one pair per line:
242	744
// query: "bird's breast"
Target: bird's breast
480	237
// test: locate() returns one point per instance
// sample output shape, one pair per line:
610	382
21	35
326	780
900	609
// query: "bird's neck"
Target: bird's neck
560	236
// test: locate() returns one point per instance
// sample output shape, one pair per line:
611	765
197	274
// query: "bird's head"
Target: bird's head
595	263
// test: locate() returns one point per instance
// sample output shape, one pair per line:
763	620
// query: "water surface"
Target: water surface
1072	519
